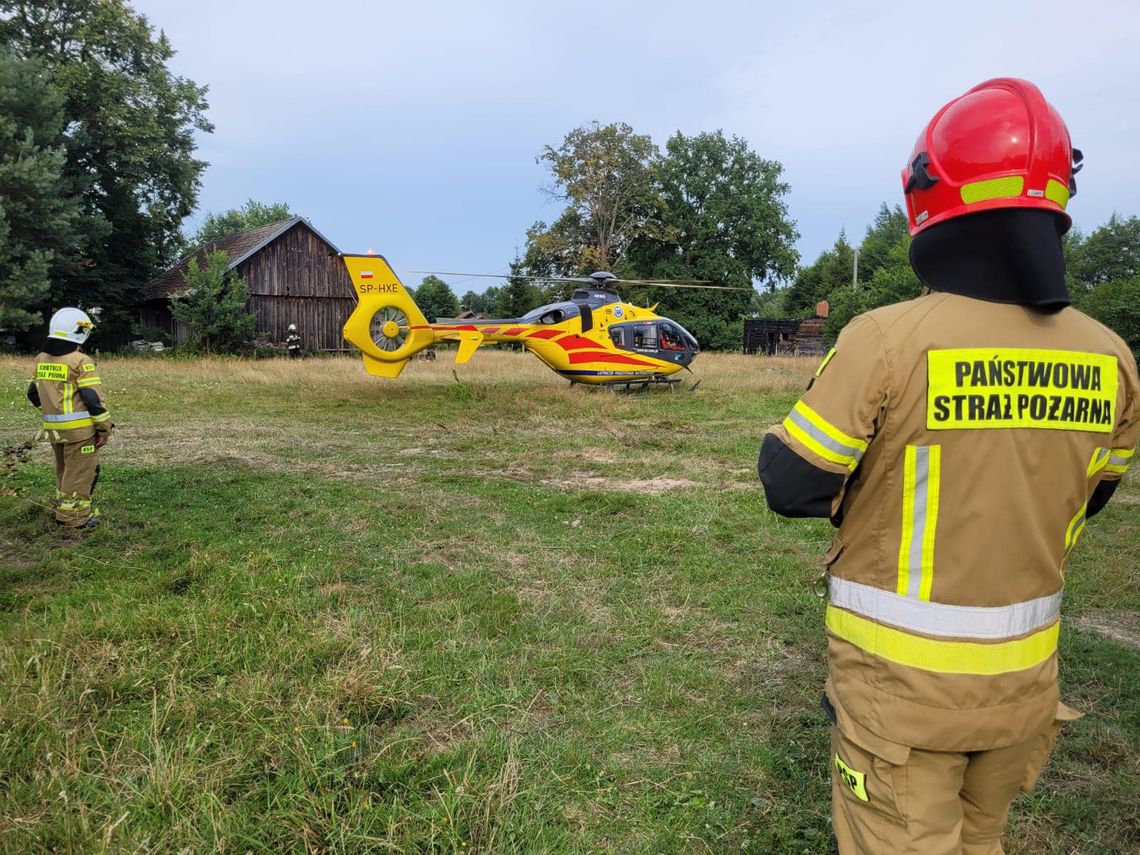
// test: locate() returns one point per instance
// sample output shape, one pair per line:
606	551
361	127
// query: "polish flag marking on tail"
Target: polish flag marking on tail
365	274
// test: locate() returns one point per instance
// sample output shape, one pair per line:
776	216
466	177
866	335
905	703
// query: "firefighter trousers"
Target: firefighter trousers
76	473
928	802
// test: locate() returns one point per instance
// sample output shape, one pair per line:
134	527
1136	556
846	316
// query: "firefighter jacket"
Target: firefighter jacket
957	444
68	390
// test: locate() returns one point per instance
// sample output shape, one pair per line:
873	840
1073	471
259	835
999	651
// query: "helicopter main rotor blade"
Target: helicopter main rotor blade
584	279
686	285
588	280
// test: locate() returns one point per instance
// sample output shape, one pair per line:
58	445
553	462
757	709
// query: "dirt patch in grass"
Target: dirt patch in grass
1121	626
651	486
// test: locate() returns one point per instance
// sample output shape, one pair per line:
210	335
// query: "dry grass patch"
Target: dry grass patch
1120	626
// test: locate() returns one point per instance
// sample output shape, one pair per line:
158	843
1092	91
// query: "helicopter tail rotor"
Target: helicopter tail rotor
387	326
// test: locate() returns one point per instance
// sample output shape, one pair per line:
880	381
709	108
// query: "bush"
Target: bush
215	307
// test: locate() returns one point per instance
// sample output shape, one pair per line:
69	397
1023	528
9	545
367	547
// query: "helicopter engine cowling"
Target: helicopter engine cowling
387	326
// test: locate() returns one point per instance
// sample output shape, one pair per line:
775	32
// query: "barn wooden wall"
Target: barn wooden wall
298	279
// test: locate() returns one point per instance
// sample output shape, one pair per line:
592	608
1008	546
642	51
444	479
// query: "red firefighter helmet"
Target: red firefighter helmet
1001	145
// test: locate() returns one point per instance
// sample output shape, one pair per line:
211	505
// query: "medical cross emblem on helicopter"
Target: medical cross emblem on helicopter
593	338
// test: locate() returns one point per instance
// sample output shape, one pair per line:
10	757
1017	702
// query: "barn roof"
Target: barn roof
238	247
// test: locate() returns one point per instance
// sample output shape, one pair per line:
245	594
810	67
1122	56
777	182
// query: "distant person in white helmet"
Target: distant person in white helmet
293	342
75	416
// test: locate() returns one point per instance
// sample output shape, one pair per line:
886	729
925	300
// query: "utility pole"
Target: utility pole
855	272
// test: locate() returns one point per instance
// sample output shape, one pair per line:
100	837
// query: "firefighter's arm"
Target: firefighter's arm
33	394
1123	449
91	391
806	462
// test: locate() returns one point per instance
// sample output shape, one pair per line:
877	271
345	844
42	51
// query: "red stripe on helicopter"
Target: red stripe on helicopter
603	356
575	342
515	331
490	330
545	334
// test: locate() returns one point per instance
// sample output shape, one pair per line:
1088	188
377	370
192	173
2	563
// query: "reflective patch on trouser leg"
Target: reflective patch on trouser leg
855	781
76	482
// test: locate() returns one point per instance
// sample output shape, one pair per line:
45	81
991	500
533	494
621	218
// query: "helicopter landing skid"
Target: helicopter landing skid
641	384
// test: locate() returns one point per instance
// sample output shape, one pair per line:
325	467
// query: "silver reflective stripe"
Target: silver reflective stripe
851	451
941	620
67	417
1119	458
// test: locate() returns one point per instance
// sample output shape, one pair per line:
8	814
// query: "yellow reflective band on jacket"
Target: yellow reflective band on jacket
824	438
86	421
1100	460
1008	387
943	657
1119	459
922	472
102	417
68	421
85	382
826	360
53	371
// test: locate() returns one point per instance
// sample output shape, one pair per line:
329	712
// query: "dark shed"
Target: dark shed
294	274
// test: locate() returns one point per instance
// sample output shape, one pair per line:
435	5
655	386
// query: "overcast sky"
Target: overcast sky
412	128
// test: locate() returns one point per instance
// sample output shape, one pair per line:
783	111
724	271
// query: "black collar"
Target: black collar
1011	255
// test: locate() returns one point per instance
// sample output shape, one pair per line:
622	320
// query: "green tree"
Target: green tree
1109	254
249	216
215	306
519	295
890	226
38	213
484	303
893	282
1116	304
605	175
828	275
129	141
436	299
724	220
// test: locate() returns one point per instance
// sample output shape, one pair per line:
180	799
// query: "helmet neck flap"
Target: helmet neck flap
1010	255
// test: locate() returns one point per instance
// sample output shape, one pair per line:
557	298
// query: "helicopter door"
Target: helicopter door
662	339
671	338
645	337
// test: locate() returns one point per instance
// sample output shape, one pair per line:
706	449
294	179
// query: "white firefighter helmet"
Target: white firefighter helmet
292	327
70	325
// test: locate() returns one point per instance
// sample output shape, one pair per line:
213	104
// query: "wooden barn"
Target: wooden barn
786	337
295	276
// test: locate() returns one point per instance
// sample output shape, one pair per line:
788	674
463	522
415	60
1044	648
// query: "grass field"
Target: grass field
335	614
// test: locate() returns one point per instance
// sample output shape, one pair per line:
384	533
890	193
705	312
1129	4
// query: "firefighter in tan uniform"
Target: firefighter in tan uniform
75	416
960	442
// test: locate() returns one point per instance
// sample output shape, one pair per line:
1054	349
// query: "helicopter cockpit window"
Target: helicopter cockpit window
645	336
671	338
617	336
550	314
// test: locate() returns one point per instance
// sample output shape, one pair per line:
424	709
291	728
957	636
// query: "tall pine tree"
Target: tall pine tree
129	141
38	214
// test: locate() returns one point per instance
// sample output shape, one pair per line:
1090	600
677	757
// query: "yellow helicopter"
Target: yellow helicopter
592	338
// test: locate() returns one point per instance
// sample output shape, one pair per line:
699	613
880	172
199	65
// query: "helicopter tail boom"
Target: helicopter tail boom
387	326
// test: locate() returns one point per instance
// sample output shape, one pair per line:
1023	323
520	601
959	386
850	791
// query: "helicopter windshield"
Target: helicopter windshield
659	337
